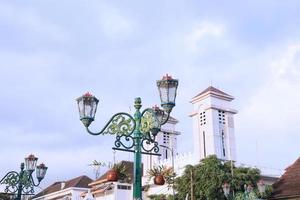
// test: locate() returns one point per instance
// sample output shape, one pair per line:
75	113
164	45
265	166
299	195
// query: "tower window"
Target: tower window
166	138
221	117
202	118
204	147
223	143
166	154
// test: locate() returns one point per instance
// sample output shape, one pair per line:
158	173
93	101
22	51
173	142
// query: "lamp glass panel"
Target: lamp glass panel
164	95
90	107
80	107
41	171
172	94
30	163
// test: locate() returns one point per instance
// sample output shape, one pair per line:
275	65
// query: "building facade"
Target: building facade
65	190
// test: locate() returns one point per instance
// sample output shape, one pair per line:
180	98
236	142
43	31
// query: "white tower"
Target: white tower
213	125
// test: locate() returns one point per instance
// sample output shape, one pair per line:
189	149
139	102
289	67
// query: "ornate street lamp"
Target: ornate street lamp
135	133
261	186
226	189
22	183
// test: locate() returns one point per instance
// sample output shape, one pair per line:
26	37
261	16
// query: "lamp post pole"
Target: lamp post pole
137	184
135	133
22	183
20	186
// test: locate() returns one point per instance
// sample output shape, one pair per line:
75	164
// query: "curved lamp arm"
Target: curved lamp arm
11	180
9	175
119	123
33	182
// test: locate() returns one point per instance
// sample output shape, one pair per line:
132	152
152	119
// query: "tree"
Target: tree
208	177
160	197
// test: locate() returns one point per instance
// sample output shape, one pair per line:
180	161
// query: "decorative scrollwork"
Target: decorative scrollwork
119	124
11	180
149	121
125	141
27	183
149	145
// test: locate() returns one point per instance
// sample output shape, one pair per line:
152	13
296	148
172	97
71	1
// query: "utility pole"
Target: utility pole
231	168
192	187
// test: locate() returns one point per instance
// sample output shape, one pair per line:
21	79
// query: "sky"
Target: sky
51	52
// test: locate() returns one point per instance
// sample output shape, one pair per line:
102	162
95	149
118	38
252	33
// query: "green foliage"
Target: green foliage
121	169
160	197
209	176
239	196
157	197
266	194
155	171
167	173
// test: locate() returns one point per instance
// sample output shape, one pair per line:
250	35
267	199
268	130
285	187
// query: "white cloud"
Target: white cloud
114	23
267	126
31	20
276	103
201	32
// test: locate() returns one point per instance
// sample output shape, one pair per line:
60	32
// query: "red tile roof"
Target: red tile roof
79	182
211	89
288	185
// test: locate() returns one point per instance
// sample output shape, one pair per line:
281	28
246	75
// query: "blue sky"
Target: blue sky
53	51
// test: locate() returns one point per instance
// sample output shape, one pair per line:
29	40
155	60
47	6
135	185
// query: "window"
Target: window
166	153
124	187
166	138
221	117
204	147
202	118
223	143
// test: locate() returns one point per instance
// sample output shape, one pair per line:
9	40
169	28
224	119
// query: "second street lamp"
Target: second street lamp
135	133
22	183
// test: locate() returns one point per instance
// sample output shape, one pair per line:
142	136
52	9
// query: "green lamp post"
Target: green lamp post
22	183
135	133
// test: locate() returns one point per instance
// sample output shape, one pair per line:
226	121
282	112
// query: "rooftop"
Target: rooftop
79	182
212	90
288	185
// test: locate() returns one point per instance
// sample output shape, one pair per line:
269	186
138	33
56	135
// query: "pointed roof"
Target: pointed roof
214	91
211	89
78	182
288	185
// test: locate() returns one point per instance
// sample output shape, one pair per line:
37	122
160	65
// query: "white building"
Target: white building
213	134
65	190
213	131
107	190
